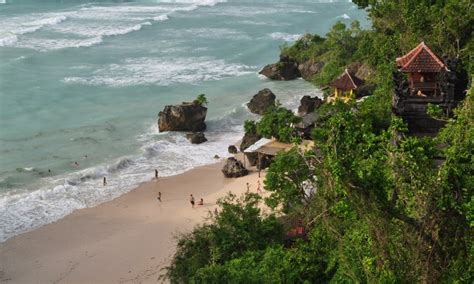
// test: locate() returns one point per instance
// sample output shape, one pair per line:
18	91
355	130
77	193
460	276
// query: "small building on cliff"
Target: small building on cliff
345	87
422	78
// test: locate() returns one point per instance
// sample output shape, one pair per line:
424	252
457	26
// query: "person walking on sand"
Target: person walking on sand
105	181
191	200
248	187
159	196
156	174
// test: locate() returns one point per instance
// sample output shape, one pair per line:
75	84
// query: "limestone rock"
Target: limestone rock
262	101
196	137
309	105
286	69
233	168
232	149
310	68
183	117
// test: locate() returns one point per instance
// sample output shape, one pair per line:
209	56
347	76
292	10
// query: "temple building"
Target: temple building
422	67
345	87
422	78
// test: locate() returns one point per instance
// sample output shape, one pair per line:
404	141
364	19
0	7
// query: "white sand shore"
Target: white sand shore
129	239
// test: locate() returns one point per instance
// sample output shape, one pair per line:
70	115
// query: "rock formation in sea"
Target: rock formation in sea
234	168
284	70
183	117
262	101
196	137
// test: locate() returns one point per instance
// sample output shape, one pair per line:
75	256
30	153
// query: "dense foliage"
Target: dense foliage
278	122
379	205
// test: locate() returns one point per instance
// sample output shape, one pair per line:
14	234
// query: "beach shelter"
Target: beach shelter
345	86
265	146
271	147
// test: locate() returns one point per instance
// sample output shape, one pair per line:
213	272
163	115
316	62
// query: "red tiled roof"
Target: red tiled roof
346	82
420	59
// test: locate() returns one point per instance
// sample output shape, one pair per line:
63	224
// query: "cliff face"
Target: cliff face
183	117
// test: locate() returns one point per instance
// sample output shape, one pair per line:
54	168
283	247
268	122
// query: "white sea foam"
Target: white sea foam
55	44
344	16
159	71
171	154
285	36
161	18
8	39
93	21
196	2
12	27
209	33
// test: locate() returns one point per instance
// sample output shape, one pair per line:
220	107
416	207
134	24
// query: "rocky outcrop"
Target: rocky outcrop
183	117
360	70
309	105
196	137
232	149
310	68
234	168
262	101
284	70
247	141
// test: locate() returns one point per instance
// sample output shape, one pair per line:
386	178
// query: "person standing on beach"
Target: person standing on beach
248	187
159	196
258	187
191	200
105	181
156	174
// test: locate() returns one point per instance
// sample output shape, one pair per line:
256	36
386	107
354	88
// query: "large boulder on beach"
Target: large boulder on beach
234	168
310	68
183	117
262	101
196	137
232	149
309	105
284	70
247	141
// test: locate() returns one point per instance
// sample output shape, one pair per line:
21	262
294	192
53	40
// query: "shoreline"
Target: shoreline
127	239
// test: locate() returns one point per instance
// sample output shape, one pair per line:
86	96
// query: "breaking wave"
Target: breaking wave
163	72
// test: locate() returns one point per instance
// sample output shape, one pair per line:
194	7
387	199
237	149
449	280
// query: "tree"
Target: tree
290	179
202	100
240	226
278	122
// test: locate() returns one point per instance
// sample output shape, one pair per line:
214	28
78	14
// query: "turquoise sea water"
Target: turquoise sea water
87	78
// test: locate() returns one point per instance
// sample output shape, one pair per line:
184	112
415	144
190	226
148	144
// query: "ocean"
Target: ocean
83	81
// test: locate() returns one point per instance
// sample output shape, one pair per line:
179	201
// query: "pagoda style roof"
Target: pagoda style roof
420	59
346	81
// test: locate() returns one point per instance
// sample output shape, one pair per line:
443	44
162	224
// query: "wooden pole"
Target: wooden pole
259	165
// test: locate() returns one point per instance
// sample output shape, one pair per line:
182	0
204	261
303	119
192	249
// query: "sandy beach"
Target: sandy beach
127	240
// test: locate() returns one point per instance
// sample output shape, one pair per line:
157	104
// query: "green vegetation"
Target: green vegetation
379	206
278	122
202	100
250	127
